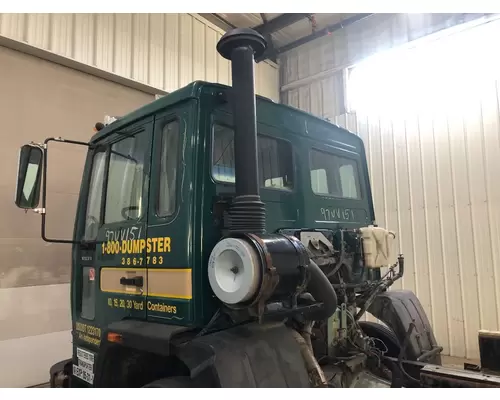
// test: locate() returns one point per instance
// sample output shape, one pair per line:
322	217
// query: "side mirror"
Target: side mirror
29	177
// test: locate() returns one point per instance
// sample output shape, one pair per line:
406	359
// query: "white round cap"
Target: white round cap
234	271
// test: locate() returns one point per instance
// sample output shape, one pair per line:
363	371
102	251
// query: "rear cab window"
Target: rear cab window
275	160
334	175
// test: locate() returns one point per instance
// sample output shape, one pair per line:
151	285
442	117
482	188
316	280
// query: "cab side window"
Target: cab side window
93	213
125	180
168	169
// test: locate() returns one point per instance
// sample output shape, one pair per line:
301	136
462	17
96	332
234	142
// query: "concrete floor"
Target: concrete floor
43	385
448	361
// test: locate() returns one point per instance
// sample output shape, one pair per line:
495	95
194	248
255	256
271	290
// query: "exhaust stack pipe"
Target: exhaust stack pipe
242	46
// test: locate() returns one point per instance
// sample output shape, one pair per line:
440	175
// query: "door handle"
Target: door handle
135	281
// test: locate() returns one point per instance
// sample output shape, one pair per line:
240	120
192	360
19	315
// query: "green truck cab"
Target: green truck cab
155	185
224	240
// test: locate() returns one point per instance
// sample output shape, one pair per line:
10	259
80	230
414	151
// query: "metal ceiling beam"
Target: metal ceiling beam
270	51
322	32
217	20
280	22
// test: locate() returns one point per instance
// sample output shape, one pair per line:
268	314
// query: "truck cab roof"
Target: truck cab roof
268	112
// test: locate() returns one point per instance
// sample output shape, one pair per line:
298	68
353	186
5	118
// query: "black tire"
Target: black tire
383	333
387	335
171	382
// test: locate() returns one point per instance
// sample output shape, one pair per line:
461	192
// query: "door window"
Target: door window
93	213
125	180
168	169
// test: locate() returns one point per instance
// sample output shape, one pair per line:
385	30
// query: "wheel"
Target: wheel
392	346
389	338
384	334
171	382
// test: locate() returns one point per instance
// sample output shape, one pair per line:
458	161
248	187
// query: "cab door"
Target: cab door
110	282
114	271
123	233
170	231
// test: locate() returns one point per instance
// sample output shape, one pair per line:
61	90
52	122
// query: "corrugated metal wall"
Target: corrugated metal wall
434	172
166	51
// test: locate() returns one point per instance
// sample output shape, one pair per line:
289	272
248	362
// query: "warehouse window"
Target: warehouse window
274	159
332	175
435	74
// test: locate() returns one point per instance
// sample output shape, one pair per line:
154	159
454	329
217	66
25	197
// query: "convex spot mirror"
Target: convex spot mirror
29	177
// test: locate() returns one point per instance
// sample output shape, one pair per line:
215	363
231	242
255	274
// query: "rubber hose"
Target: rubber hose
321	289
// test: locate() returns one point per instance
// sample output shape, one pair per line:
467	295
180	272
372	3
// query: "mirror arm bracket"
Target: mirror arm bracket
39	210
42	146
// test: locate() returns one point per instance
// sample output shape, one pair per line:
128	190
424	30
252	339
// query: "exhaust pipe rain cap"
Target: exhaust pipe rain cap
241	37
